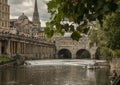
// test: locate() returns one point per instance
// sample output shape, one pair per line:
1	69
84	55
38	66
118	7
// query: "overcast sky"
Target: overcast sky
17	7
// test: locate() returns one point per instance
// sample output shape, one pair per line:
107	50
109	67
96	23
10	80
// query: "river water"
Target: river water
54	72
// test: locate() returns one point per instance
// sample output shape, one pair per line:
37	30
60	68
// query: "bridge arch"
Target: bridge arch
64	54
82	54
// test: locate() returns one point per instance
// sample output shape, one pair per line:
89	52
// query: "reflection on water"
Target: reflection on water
53	75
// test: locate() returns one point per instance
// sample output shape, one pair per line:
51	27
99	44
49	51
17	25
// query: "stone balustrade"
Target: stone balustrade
27	47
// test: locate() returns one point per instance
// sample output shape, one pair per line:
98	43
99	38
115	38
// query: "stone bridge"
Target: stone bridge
27	47
65	46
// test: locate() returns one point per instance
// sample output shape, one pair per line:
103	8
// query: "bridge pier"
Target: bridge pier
0	47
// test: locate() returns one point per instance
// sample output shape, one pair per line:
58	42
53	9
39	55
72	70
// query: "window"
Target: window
6	9
2	24
5	24
0	15
2	7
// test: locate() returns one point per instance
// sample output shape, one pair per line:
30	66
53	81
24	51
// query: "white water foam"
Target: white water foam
73	62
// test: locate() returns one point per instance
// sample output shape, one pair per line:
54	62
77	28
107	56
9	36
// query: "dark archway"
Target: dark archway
83	54
3	47
64	54
97	53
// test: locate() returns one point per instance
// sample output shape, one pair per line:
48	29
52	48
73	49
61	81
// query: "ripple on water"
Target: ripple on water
50	74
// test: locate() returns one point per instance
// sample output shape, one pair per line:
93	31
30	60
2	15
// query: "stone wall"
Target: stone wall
28	48
66	42
115	64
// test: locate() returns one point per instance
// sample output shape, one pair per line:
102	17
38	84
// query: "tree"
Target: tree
75	15
112	31
108	38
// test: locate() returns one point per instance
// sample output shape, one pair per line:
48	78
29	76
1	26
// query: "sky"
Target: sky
17	7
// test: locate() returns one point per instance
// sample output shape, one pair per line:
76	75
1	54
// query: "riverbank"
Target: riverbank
7	64
115	65
11	61
5	61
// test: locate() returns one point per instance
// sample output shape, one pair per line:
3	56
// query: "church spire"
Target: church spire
35	19
36	7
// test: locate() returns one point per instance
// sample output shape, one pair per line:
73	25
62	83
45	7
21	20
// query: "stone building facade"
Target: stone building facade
23	37
4	14
24	27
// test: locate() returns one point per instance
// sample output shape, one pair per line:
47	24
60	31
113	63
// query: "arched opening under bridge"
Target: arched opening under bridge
64	54
83	54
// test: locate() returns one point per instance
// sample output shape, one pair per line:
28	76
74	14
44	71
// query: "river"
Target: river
54	72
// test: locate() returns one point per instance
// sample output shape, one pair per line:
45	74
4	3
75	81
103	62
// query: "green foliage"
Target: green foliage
106	53
108	38
98	36
4	59
77	12
112	30
75	35
17	56
85	54
97	53
117	53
